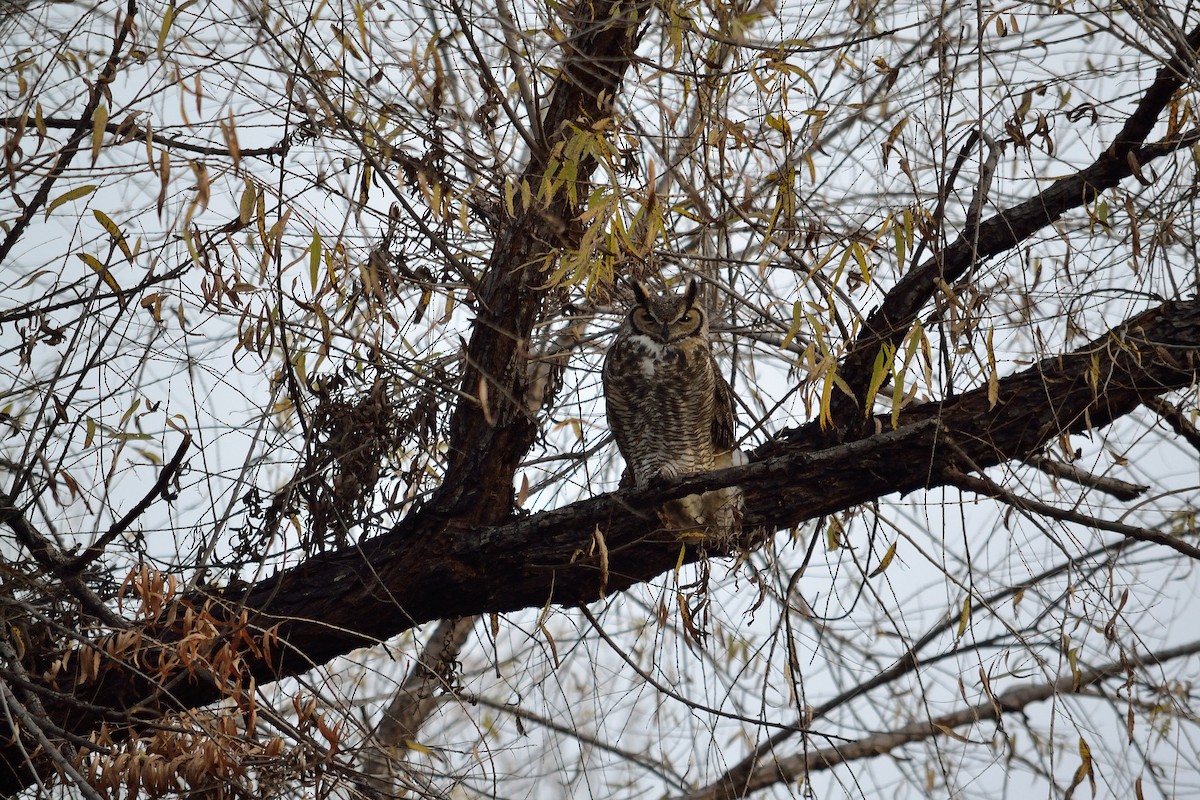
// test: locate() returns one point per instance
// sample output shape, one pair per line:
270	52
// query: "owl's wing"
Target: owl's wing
724	424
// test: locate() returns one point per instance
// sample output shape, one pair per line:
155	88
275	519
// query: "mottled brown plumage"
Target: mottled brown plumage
669	407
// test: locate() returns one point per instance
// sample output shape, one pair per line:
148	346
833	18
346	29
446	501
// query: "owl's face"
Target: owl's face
667	319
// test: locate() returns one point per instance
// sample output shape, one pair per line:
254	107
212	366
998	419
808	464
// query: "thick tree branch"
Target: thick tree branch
890	323
492	430
432	566
415	699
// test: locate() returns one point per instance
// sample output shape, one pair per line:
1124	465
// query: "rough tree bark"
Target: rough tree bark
429	567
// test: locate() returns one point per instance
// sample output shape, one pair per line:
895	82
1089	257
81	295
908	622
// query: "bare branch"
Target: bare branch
1177	420
159	489
989	488
129	131
1122	490
1016	699
1005	230
415	699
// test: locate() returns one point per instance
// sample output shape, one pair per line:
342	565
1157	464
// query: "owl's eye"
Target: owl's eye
641	317
691	317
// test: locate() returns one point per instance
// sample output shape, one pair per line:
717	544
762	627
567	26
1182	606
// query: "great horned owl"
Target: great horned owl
669	407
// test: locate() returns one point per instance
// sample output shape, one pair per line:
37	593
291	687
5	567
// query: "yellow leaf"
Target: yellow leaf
153	303
66	197
878	373
833	536
964	617
1073	662
860	256
892	136
115	232
885	562
794	328
550	641
298	364
953	734
993	385
168	18
1085	770
510	192
1026	102
826	419
246	203
99	120
203	188
129	412
793	69
314	258
100	270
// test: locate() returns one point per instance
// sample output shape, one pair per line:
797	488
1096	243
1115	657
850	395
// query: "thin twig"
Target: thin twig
1176	419
130	132
120	526
33	725
990	488
83	127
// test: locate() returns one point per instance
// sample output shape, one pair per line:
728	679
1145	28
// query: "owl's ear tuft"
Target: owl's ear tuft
640	293
689	295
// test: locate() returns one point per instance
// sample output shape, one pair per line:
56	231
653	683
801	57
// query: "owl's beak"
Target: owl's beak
666	336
